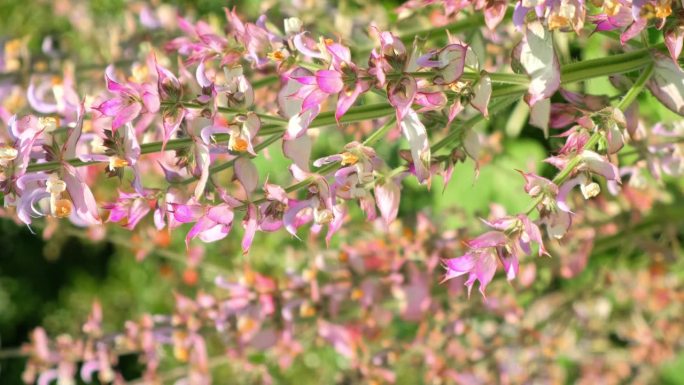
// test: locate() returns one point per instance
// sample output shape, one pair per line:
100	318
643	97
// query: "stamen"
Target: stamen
48	123
117	162
349	159
7	153
63	208
237	144
54	185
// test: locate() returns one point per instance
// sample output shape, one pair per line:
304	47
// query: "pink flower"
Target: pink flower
343	79
129	207
131	99
512	237
212	223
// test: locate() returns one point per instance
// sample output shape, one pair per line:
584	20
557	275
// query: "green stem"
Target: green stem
636	89
515	85
455	135
380	133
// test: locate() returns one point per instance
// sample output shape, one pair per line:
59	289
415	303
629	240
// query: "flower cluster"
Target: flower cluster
355	126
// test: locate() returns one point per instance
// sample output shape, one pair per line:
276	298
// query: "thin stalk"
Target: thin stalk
515	85
636	89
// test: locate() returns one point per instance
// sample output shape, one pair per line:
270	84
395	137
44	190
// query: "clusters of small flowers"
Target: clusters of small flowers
589	151
362	299
204	118
627	16
224	97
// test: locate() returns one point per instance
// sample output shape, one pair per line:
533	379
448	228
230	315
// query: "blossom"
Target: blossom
212	223
119	149
343	79
129	209
512	236
131	99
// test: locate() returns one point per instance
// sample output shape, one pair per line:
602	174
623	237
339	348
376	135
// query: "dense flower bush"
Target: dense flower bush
192	113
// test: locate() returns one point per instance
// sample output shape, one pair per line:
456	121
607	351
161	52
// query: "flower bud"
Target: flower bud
590	190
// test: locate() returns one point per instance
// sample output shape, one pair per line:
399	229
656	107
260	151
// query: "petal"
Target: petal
488	239
667	83
250	224
387	197
126	114
299	151
414	131
110	107
456	267
329	81
346	99
202	160
246	172
401	94
600	165
536	55
84	202
482	93
540	115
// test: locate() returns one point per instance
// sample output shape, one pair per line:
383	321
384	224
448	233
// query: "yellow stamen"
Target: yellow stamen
349	159
54	185
116	162
611	7
306	310
14	101
8	153
276	56
13	47
246	324
48	123
558	21
237	144
356	294
328	41
139	73
663	10
63	208
323	217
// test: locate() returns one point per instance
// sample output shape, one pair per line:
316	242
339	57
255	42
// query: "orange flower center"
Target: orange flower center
116	162
63	208
238	144
349	159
